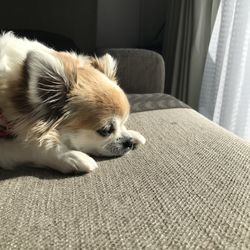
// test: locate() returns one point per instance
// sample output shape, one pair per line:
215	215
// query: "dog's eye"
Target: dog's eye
106	131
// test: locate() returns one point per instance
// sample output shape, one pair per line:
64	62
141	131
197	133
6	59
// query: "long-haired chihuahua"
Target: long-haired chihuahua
58	108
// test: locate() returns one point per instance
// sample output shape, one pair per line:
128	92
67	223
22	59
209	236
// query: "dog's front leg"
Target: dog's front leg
13	153
72	161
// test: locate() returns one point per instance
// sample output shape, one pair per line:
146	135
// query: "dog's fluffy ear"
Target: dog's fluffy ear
106	64
48	84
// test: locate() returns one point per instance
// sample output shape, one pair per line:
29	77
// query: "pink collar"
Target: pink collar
4	127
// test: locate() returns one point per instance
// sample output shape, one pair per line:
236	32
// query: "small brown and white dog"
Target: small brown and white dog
59	107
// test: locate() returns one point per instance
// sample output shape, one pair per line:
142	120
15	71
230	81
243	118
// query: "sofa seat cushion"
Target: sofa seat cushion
187	188
154	101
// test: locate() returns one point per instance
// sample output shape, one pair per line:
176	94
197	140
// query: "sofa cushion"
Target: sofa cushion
187	188
139	70
154	101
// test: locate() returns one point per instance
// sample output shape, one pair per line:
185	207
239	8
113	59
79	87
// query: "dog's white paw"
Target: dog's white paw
76	161
137	137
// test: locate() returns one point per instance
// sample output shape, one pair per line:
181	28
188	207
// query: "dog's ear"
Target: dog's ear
48	82
106	64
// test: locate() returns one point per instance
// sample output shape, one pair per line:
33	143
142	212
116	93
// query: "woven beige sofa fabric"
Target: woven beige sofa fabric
187	188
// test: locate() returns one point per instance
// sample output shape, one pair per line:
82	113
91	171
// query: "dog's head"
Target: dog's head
82	93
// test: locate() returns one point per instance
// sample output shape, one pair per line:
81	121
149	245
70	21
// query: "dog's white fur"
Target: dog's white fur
70	154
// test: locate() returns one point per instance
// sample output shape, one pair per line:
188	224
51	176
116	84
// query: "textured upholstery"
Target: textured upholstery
146	102
139	71
187	188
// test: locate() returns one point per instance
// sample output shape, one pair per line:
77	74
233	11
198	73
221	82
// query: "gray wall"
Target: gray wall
75	19
129	23
111	23
118	23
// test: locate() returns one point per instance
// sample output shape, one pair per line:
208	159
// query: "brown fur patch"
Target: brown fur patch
96	99
69	63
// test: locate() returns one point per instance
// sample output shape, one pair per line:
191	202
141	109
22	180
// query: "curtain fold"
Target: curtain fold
225	92
185	46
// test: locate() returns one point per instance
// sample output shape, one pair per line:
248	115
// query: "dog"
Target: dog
57	109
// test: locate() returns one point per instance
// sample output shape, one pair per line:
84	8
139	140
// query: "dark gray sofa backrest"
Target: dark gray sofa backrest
139	71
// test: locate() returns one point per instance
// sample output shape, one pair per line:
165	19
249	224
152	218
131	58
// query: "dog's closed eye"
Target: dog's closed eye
106	130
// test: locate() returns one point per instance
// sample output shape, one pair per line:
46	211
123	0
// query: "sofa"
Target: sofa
188	187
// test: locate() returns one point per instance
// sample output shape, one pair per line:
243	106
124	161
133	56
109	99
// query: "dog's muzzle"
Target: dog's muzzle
120	146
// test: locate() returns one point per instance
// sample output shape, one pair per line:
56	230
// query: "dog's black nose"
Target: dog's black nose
128	144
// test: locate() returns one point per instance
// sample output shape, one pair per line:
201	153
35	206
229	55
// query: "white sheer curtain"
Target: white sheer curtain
225	90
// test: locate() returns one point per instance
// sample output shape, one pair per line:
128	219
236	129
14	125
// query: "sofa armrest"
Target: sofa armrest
139	71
